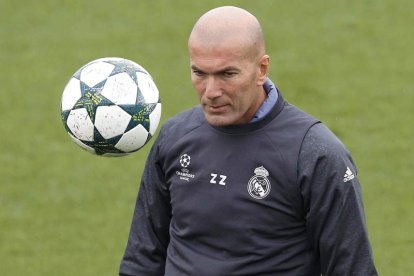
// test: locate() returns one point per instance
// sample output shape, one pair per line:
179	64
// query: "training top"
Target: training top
279	196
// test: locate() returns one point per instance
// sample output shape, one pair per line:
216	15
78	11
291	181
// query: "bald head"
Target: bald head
229	26
228	65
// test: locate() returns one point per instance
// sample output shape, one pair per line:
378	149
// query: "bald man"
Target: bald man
245	183
229	65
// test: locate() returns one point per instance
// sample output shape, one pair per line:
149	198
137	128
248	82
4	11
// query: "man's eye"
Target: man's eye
229	74
198	73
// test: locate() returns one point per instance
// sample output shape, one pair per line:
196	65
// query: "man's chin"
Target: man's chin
218	120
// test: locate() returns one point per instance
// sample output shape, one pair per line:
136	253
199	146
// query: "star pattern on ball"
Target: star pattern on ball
102	145
118	121
125	67
140	114
92	98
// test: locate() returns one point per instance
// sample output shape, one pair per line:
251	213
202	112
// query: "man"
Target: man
245	183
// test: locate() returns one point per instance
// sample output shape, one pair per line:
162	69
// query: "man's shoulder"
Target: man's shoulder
321	142
320	135
187	119
182	123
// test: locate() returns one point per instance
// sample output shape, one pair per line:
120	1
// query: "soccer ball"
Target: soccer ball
111	107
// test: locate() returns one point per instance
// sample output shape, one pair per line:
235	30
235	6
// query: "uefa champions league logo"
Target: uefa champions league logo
184	173
259	186
185	160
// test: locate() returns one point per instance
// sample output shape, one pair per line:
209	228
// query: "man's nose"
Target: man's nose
213	89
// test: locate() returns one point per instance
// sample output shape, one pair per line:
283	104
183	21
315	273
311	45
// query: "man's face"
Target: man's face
227	82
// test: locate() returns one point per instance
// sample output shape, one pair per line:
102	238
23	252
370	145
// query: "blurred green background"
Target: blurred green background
64	211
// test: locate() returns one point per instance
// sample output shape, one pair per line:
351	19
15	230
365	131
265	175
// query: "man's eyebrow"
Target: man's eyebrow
229	68
193	67
222	70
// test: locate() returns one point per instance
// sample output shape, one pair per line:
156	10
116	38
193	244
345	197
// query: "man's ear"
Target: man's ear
263	69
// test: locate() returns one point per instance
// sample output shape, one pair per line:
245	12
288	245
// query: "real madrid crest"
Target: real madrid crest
259	185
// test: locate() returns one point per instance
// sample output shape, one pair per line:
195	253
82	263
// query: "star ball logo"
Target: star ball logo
184	173
185	160
259	186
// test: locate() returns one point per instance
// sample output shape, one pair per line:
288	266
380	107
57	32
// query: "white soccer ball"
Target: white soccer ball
111	107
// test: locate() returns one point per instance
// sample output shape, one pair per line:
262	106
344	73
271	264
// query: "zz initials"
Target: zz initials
214	179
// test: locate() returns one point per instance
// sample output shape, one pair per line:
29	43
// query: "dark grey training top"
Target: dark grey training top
279	196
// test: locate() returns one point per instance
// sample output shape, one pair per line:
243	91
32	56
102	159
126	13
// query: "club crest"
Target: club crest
259	186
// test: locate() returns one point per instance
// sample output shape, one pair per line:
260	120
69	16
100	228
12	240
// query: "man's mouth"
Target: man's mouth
216	108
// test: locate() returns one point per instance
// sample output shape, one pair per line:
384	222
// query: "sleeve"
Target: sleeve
148	240
333	205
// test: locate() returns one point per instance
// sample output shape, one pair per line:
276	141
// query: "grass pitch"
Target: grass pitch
66	212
